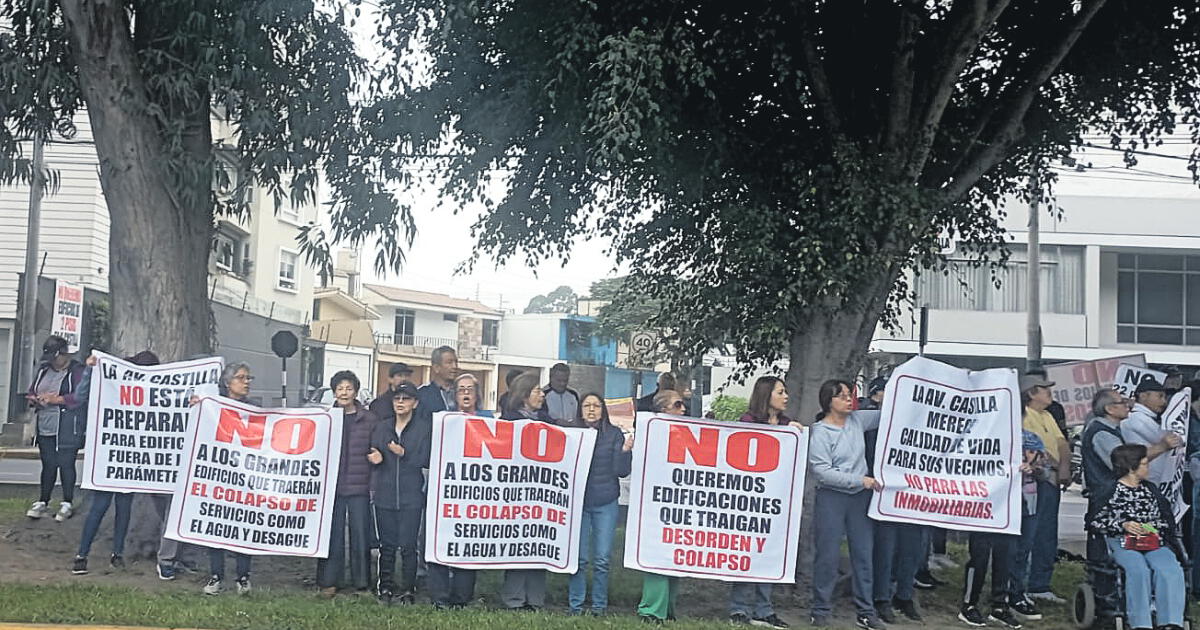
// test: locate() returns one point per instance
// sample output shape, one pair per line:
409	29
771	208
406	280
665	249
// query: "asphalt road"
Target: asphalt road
25	471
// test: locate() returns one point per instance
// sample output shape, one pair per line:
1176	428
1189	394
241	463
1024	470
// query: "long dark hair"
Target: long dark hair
760	397
829	390
604	424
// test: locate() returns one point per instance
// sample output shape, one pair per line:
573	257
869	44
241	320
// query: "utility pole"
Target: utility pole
1033	324
29	283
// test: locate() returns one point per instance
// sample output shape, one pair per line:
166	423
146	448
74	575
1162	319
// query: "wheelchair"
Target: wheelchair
1101	597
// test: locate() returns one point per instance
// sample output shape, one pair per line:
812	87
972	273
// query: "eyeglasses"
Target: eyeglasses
468	388
244	377
844	396
591	405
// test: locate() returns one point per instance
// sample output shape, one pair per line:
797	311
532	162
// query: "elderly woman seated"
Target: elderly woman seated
1138	525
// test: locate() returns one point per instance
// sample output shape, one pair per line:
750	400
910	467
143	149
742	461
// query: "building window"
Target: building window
491	332
971	288
288	262
449	317
231	253
289	214
1158	299
405	322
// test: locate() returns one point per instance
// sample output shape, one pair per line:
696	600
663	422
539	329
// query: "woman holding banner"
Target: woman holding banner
660	592
611	460
525	589
837	455
750	602
352	503
235	383
101	500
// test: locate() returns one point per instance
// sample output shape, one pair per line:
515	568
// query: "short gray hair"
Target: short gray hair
465	376
1102	399
231	371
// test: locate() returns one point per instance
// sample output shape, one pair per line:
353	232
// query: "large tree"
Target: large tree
279	77
788	159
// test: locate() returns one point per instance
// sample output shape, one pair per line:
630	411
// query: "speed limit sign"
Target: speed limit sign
641	343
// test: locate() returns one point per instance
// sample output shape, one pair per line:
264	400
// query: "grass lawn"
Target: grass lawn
61	600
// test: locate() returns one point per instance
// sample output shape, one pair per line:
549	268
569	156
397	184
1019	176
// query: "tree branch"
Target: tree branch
996	147
818	82
900	103
966	31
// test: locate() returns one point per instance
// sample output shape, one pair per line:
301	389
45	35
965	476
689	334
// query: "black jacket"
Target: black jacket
354	472
398	482
609	464
72	413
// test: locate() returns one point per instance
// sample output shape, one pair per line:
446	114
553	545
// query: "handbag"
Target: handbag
1145	542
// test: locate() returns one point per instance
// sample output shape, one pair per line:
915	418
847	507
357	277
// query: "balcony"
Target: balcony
424	346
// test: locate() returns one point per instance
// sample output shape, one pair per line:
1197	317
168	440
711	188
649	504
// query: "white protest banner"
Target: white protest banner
137	418
1175	419
715	500
949	448
67	321
1075	382
258	481
1128	376
505	494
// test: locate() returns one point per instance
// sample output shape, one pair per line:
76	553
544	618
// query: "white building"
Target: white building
258	281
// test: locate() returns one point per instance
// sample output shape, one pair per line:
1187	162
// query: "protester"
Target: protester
661	592
61	424
351	505
466	396
1132	508
399	451
509	376
102	499
1144	427
1193	469
983	547
749	602
666	381
837	458
525	589
874	397
611	460
438	394
1036	396
1033	465
235	382
1103	434
562	402
398	374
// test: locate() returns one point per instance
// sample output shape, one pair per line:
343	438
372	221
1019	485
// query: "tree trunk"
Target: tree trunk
160	229
832	345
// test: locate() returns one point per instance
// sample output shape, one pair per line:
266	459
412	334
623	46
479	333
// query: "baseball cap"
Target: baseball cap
878	384
54	346
1029	381
399	368
1031	442
1148	384
406	389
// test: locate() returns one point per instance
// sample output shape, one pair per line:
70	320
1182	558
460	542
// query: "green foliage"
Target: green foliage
560	300
729	407
782	159
282	79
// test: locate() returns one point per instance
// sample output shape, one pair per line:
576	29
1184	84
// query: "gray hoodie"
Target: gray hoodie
837	455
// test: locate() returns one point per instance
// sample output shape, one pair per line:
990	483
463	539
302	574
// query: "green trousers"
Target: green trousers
659	593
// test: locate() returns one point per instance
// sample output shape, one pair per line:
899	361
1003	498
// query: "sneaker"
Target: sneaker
64	511
213	587
243	585
79	567
926	580
908	608
1026	609
384	597
1004	616
328	592
407	598
651	620
165	571
771	621
1047	596
869	623
819	622
37	510
116	562
972	617
739	619
943	561
883	608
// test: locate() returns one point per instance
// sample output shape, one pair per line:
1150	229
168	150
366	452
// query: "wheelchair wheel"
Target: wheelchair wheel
1083	607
